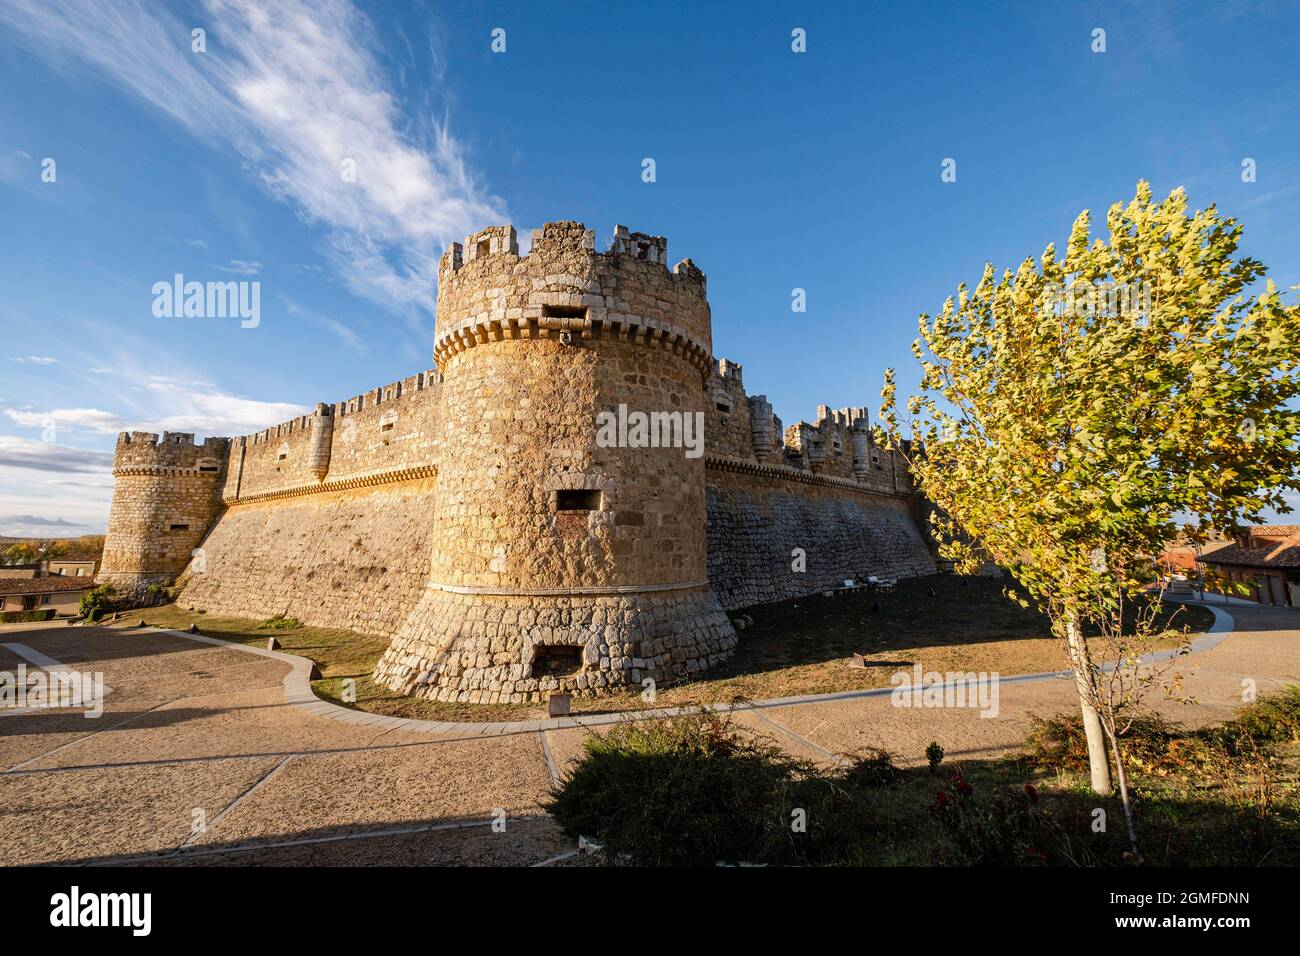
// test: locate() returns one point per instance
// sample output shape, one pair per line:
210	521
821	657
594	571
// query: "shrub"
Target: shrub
873	769
22	617
1058	743
934	754
1270	720
98	602
1005	830
697	791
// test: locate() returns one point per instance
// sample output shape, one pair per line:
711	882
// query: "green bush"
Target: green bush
1270	720
280	623
697	791
95	604
22	617
1058	743
1154	745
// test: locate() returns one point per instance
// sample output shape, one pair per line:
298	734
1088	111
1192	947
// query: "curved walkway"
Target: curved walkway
214	753
298	691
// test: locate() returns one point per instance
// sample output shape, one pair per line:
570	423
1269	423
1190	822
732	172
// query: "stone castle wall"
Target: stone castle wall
336	559
775	534
469	512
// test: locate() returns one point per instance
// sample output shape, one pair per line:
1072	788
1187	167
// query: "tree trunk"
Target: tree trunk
1081	663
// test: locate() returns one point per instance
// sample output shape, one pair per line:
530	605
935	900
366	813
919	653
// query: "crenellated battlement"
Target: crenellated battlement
565	288
838	444
564	237
174	451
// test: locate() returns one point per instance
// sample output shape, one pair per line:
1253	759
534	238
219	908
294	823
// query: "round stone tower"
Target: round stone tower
569	531
166	493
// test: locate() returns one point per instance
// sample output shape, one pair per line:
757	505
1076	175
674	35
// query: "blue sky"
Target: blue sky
774	170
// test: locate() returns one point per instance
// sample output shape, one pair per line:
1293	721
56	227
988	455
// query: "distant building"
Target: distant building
20	570
1265	558
73	566
62	593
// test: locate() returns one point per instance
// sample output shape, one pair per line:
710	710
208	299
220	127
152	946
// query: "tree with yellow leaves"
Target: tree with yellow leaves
1072	413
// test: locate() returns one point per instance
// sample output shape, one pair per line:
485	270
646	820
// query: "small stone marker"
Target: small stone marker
859	662
194	629
272	644
142	623
558	705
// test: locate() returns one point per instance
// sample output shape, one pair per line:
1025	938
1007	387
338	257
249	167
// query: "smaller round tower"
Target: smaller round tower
166	494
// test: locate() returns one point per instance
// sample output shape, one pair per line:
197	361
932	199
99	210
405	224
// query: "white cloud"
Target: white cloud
242	267
36	360
42	483
296	89
51	456
73	419
172	405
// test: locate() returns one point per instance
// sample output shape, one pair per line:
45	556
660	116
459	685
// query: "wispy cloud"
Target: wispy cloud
182	406
35	521
296	90
334	326
72	419
242	267
36	360
49	456
46	485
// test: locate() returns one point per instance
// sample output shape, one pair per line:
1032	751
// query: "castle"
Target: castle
469	513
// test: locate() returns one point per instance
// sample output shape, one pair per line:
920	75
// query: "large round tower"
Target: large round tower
569	531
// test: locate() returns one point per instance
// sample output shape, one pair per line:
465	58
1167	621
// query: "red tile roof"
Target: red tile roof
1283	553
46	585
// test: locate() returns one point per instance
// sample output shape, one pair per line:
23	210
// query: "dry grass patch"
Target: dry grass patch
943	622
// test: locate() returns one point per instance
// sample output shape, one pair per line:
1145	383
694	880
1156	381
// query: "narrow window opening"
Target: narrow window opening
557	660
577	499
211	469
642	250
386	427
723	407
179	527
484	247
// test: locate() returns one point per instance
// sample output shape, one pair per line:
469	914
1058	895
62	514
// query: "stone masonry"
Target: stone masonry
473	514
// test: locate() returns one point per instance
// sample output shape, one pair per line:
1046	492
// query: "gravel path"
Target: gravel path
201	757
